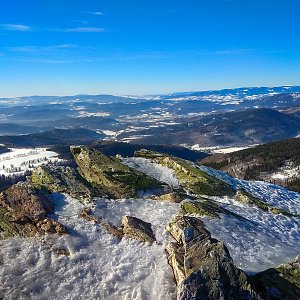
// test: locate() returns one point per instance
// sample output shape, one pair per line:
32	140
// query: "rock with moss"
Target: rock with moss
189	175
172	197
202	265
63	180
87	214
207	208
138	229
110	174
245	197
23	212
282	282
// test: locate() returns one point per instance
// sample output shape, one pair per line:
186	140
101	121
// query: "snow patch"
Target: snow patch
100	266
157	171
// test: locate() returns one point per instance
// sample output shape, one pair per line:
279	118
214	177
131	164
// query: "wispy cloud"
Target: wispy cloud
16	27
96	13
47	61
231	51
33	49
85	29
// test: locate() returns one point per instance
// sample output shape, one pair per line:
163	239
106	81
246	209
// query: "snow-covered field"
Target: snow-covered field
286	172
100	266
218	149
18	160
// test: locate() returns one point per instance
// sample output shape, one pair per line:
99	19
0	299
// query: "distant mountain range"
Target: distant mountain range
209	118
251	126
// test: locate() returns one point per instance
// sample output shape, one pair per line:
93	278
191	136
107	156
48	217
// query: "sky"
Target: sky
139	47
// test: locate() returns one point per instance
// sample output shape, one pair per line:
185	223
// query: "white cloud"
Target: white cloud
85	29
231	51
97	13
31	49
16	27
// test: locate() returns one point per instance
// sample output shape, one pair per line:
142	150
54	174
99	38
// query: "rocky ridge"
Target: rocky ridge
202	265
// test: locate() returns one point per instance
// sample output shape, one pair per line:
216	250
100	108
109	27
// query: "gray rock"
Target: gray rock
202	265
138	229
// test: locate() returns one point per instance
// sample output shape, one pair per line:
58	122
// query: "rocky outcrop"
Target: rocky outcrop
189	175
278	283
245	197
206	207
23	211
202	265
110	174
137	229
63	180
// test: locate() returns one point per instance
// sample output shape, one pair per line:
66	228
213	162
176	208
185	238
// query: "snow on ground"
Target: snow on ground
266	240
263	242
100	266
286	172
218	149
155	170
273	194
18	159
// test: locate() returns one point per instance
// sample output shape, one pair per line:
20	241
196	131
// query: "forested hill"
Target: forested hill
263	162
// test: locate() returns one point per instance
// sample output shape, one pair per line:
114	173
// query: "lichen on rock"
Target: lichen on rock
282	282
245	197
63	180
206	207
202	265
189	175
109	174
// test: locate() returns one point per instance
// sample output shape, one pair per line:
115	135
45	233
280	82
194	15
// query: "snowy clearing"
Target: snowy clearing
100	266
218	149
19	160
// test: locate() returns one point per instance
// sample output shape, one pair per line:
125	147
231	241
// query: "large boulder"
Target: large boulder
202	265
138	229
189	175
23	210
108	173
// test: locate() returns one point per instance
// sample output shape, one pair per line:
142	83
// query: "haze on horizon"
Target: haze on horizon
146	47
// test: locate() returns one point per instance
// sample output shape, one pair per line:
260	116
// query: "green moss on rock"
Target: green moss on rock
245	197
110	174
63	180
205	207
280	283
190	176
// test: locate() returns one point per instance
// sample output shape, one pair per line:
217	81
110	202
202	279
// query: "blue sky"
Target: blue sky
62	47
